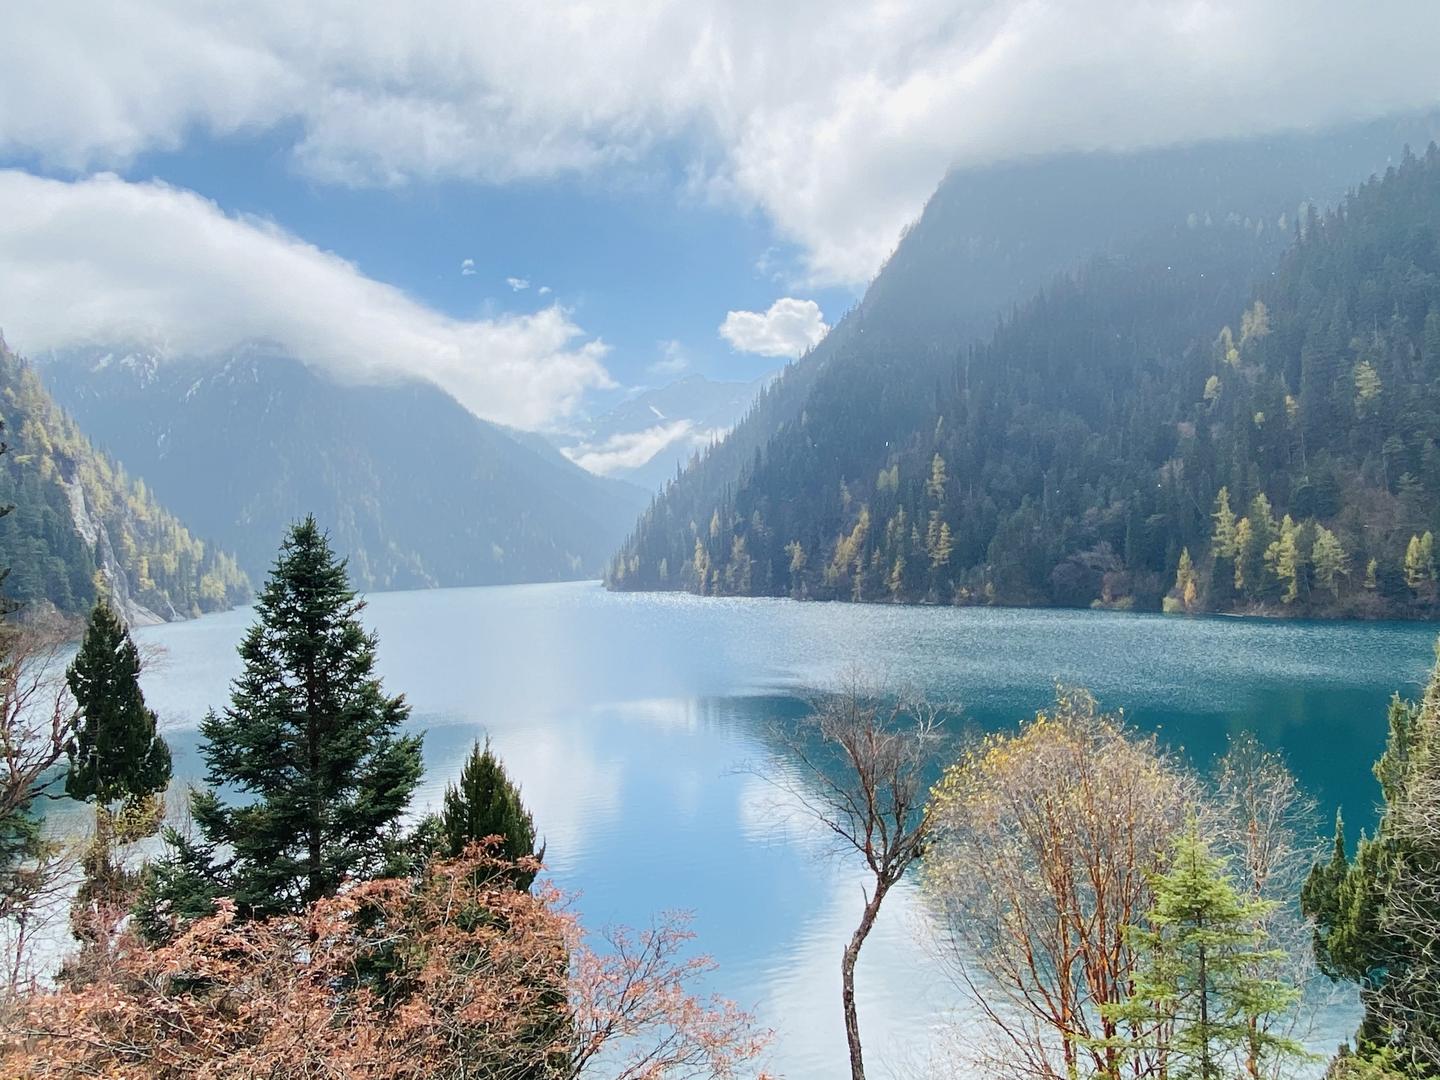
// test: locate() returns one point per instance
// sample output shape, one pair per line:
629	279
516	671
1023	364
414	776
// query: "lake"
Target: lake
628	719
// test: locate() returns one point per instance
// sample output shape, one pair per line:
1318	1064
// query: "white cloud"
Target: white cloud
836	121
544	290
105	260
632	449
789	328
467	267
673	359
517	284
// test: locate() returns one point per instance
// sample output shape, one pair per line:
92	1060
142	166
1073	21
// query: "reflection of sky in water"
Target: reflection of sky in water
627	720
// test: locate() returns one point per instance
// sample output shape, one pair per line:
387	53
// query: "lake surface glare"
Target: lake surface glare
629	720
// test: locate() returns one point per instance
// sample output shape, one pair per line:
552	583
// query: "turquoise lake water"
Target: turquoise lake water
630	719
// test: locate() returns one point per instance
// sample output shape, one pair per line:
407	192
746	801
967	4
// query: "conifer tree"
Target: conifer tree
1186	591
485	803
1222	544
1284	561
117	761
311	737
1244	545
1197	993
116	754
1329	558
1377	915
1420	564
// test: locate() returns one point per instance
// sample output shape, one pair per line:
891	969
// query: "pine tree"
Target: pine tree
1185	589
485	803
117	761
1222	543
1420	564
1244	545
1284	561
1362	934
1197	995
1329	558
1251	562
116	755
310	736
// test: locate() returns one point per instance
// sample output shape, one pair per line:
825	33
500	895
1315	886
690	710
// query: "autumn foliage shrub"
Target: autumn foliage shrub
454	973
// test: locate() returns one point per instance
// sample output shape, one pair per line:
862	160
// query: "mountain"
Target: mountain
989	239
1078	454
416	490
648	438
79	524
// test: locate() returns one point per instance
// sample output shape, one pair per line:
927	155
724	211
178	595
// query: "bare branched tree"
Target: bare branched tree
37	717
862	756
1044	849
1265	823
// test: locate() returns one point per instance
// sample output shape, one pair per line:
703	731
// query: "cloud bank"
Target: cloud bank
789	328
835	121
632	449
102	260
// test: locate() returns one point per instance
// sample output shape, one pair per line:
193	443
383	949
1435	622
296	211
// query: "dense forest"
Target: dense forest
1152	427
79	525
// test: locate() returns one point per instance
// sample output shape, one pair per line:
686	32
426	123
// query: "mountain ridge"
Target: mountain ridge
416	490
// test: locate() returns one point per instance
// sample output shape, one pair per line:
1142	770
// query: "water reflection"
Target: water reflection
627	718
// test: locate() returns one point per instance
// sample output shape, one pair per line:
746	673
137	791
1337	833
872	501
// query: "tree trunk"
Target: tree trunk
847	980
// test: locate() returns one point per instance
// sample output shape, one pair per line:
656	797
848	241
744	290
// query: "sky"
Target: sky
543	206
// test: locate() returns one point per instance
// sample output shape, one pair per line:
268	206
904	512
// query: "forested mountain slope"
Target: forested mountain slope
79	524
989	239
1078	456
413	488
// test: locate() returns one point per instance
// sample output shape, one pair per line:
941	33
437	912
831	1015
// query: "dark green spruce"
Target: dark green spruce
310	741
1377	914
486	803
116	754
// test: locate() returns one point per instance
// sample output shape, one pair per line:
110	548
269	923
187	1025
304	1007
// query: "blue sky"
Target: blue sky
702	185
639	262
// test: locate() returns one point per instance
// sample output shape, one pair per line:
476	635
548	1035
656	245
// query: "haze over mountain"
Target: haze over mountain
1185	232
647	438
415	490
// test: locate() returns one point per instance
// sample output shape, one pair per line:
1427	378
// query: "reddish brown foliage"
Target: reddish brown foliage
456	975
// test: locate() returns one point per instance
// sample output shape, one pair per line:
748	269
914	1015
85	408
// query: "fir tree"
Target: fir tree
116	754
486	803
117	761
311	737
1197	996
1376	915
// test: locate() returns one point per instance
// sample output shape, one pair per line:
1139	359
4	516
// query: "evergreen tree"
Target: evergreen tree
311	737
1329	559
1222	543
1377	915
116	757
1284	561
485	803
116	754
1420	564
1197	996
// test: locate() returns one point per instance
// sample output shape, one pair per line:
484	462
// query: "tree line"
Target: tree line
1076	458
1108	911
